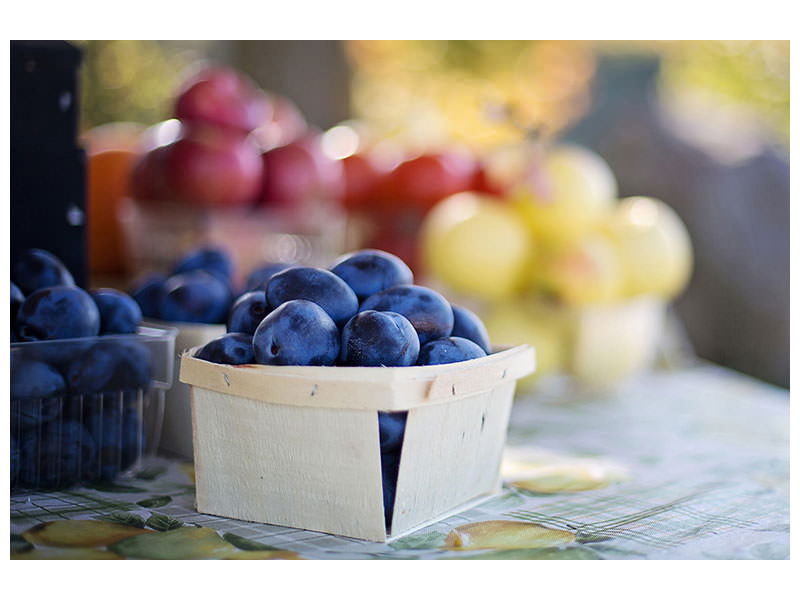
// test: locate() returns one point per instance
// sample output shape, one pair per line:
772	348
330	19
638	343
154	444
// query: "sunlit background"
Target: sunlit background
701	125
433	90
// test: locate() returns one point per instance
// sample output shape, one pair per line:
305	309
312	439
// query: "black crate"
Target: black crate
48	205
44	94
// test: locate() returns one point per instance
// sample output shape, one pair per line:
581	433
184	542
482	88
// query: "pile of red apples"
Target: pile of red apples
233	144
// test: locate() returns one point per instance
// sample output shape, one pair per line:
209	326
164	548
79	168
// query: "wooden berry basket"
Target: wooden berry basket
176	433
299	446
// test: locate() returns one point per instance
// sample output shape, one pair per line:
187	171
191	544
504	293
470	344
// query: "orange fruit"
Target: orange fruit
108	174
119	135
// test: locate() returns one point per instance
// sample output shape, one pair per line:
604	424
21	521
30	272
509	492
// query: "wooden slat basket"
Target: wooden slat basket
299	446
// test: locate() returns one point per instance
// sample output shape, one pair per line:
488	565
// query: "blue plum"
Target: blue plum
391	427
14	459
133	369
17	298
428	311
258	277
34	412
196	297
467	324
149	294
56	456
322	287
110	365
133	434
36	269
211	259
91	371
368	272
119	313
374	339
35	379
298	332
229	349
449	350
247	312
57	353
57	313
103	418
390	466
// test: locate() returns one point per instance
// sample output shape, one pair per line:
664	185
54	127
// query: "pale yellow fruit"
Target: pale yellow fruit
615	341
564	194
476	246
654	247
586	271
544	327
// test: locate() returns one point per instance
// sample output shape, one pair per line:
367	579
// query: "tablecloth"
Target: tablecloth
686	464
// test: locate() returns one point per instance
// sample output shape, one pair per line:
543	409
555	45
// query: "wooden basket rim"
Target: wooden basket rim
375	388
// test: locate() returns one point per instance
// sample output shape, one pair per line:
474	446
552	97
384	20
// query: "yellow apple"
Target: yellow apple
585	271
654	247
476	246
537	323
615	341
563	193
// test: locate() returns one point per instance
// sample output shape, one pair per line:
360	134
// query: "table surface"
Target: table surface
686	464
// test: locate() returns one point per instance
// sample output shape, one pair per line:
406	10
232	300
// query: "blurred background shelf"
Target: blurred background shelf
701	125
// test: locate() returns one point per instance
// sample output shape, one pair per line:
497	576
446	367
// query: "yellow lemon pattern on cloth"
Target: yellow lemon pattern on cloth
80	533
545	473
181	543
263	555
66	554
505	535
188	469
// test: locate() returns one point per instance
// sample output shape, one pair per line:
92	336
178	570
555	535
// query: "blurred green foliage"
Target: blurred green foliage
480	93
753	74
132	80
438	90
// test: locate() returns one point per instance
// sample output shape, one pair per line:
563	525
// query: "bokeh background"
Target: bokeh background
701	125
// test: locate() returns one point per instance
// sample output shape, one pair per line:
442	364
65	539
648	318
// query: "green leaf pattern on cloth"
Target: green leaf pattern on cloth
155	502
163	522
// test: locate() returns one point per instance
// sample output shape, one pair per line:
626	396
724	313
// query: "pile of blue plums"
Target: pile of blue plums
78	377
198	289
364	311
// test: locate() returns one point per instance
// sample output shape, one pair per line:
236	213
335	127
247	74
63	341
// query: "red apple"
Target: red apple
212	166
399	237
362	174
160	134
419	183
299	175
223	97
486	184
147	183
285	124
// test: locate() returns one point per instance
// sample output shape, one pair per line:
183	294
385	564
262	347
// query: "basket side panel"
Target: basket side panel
176	437
310	468
451	454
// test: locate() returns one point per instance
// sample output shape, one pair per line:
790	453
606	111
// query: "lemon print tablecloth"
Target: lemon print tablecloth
689	464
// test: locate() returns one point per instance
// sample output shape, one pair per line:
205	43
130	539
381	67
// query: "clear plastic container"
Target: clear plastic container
87	409
252	236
